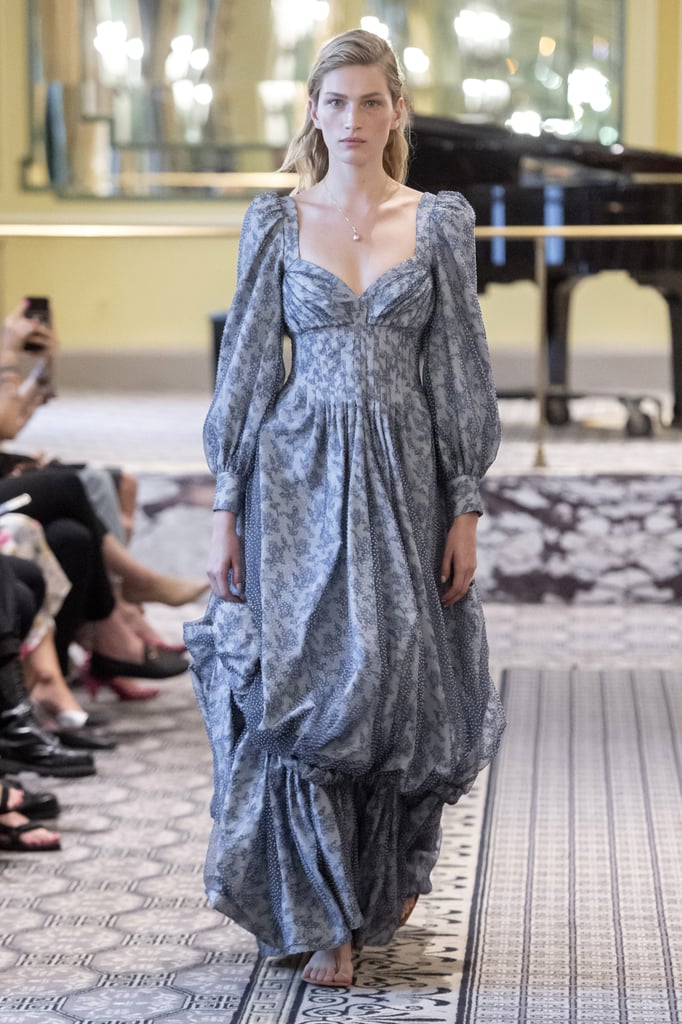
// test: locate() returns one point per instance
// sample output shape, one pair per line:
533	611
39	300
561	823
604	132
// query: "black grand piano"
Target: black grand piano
512	179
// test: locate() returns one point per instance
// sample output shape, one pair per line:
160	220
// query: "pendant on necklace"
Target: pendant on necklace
356	236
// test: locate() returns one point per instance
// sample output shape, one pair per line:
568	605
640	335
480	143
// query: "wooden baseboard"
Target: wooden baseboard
152	370
596	368
156	370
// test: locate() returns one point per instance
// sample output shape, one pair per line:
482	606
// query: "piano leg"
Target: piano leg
559	291
675	306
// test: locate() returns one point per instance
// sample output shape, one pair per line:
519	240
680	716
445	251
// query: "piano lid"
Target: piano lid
456	154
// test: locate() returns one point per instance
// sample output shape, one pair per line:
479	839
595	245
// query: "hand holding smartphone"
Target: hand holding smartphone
36	308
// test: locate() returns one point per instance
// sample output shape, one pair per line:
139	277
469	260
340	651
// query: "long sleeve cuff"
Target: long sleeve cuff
462	495
229	493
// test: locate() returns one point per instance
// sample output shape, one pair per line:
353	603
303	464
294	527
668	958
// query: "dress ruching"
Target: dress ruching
343	703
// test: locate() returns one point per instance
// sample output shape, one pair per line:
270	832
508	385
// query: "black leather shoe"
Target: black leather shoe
24	746
84	738
158	663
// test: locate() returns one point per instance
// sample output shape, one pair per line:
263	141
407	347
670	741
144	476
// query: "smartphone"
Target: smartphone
36	307
13	504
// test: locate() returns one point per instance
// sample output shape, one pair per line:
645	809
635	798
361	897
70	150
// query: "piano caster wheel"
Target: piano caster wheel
638	424
556	411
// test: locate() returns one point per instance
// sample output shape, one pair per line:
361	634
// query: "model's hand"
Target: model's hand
459	558
225	557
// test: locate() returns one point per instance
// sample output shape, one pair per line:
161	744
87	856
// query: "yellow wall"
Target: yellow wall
155	295
668	74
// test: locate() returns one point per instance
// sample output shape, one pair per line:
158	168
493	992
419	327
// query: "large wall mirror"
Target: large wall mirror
162	98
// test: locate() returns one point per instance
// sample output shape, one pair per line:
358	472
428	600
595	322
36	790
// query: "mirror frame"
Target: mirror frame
49	166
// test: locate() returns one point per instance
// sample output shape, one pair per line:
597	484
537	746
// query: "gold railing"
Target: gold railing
118	231
538	235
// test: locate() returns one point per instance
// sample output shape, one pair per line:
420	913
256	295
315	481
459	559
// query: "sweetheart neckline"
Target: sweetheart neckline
325	270
339	280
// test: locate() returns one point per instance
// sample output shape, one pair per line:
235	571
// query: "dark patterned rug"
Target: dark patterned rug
582	540
577	914
567	539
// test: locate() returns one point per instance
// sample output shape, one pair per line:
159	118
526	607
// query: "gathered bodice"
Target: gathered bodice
353	363
348	347
411	343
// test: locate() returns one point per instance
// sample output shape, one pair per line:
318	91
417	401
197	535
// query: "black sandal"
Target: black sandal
34	805
13	833
4	799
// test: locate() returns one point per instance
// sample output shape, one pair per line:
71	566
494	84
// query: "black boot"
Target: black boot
24	746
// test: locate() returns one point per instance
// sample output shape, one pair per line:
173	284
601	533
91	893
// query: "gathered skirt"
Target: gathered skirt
343	703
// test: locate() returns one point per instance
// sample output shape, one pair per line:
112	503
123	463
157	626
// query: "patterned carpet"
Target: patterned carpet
577	914
115	928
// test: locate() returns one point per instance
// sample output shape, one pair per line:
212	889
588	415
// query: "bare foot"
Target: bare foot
113	638
330	967
134	616
47	686
37	837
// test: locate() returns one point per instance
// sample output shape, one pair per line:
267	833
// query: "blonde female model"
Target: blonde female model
341	666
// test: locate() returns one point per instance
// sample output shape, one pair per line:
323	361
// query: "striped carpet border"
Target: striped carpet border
576	914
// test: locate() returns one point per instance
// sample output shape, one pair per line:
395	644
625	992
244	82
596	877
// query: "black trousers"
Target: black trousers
29	591
22	591
74	533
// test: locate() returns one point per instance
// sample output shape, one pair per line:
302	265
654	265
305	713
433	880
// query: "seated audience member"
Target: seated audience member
111	492
123	643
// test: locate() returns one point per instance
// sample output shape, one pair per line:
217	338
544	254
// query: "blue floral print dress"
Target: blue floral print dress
343	703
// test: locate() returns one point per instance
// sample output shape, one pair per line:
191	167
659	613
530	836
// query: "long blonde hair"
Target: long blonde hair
307	154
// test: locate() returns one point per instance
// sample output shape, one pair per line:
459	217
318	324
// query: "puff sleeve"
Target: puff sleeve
251	365
457	375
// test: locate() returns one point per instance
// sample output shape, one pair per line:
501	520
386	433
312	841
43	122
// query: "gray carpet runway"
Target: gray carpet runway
577	917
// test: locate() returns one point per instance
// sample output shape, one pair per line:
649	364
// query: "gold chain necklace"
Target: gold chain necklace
357	237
